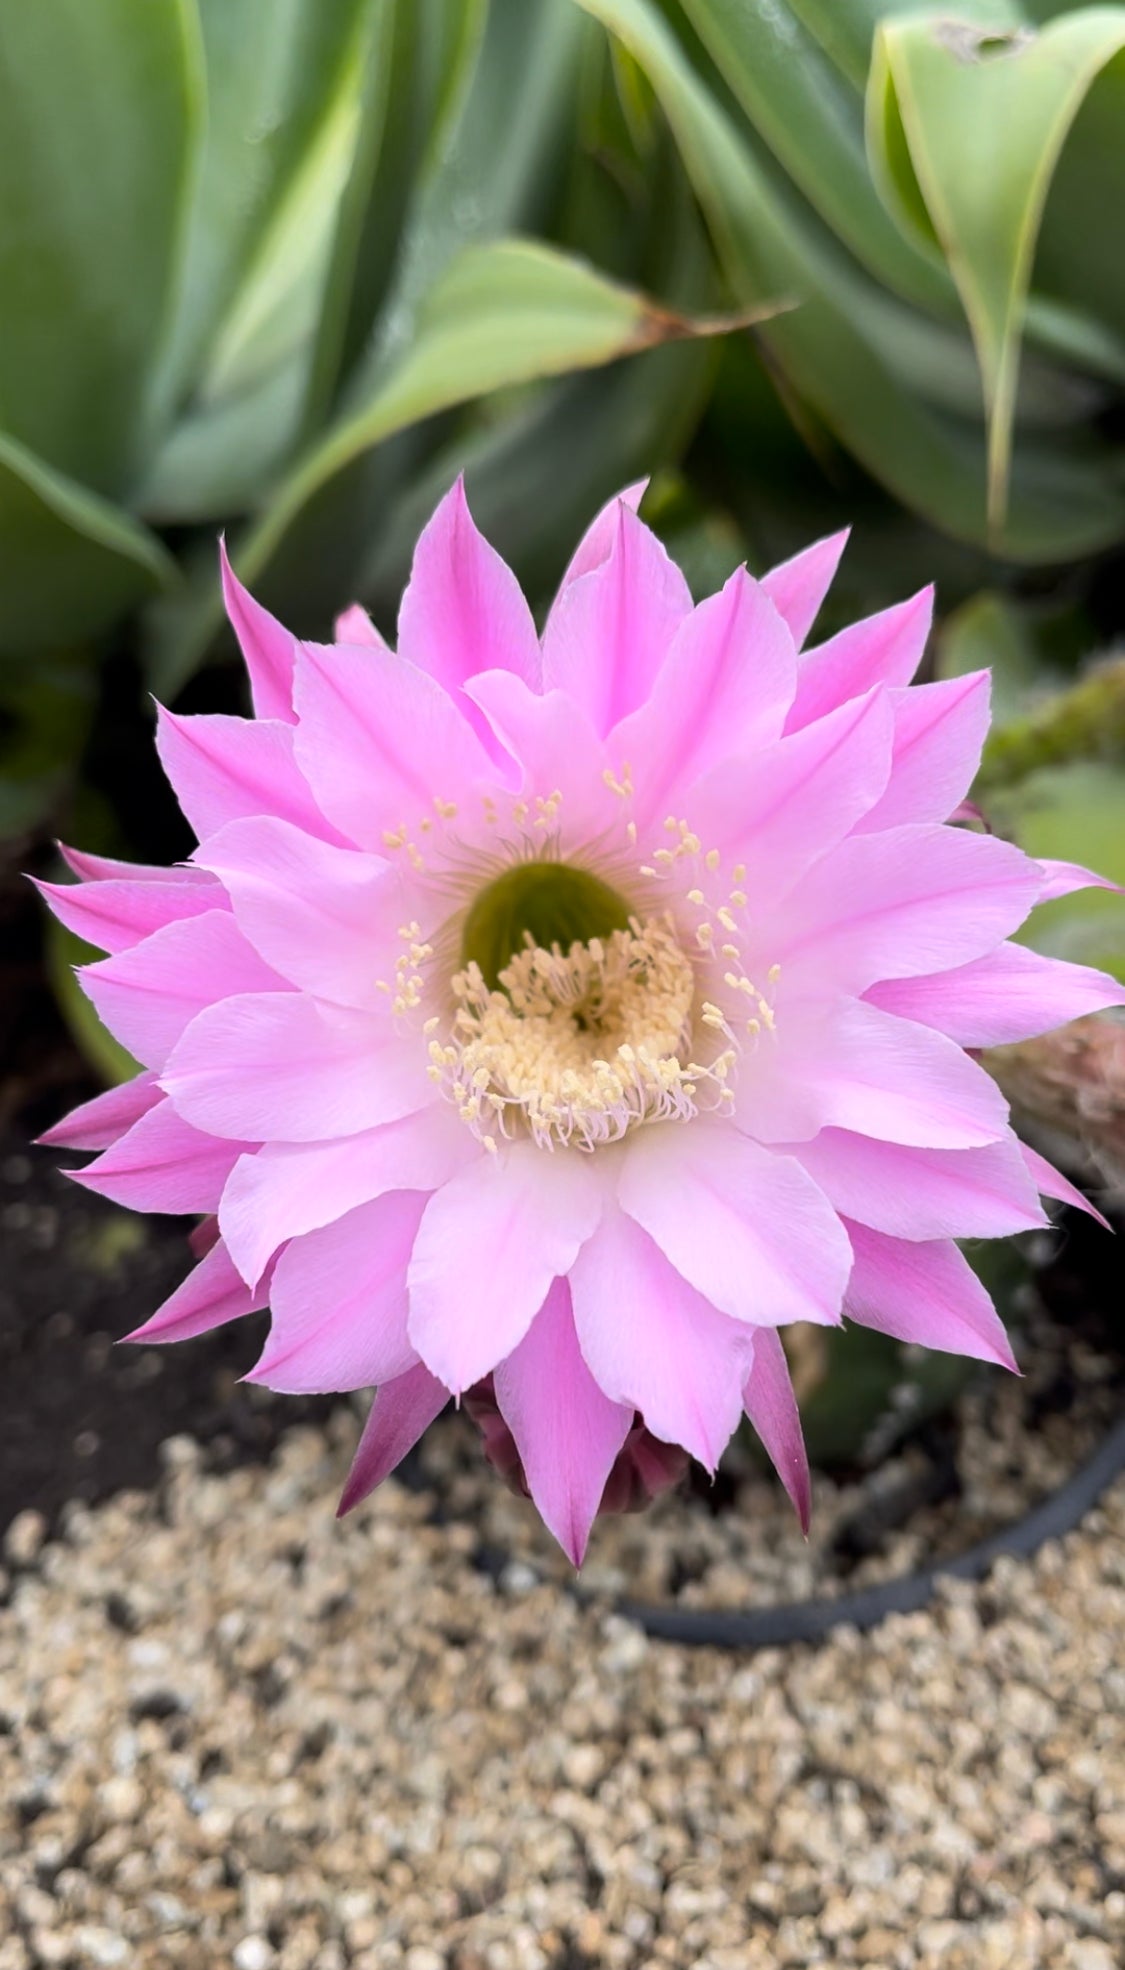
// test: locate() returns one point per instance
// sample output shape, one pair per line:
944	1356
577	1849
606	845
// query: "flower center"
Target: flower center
542	904
571	1044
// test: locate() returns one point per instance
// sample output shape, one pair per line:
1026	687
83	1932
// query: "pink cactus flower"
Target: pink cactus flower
550	1020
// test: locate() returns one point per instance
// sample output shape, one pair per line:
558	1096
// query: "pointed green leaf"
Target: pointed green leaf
966	127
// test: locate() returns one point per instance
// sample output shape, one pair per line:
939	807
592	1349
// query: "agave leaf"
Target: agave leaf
837	348
846	28
273	100
966	127
419	57
813	122
70	563
99	108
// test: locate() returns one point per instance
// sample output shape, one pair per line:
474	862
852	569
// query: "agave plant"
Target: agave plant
926	182
252	259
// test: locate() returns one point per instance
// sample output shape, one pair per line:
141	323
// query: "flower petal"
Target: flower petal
652	1342
222	769
596	544
724	688
356	626
567	1431
772	1409
463	610
491	1242
895	905
609	632
1051	1183
338	1302
1063	878
797	587
100	1122
211	1295
115	914
781	811
401	1412
882	649
747	1228
324	917
162	1164
557	749
924	1193
277	1066
101	868
939	733
268	649
926	1293
380	741
852	1066
288	1188
148	995
1012	994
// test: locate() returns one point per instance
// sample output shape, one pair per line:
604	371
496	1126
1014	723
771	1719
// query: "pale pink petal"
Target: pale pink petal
939	733
222	769
596	544
115	914
553	742
463	610
401	1412
162	1164
747	1228
277	1066
772	1409
724	688
652	1342
882	649
489	1246
894	905
326	918
926	1293
610	630
782	810
356	626
797	587
288	1188
567	1431
924	1193
211	1295
101	868
1051	1183
1012	994
380	742
850	1065
338	1303
1063	878
268	649
98	1123
149	994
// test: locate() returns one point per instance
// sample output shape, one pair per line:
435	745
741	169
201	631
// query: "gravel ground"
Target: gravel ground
234	1735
